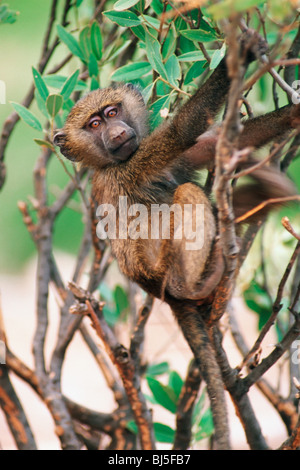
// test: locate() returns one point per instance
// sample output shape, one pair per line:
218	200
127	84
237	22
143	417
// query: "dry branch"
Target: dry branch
120	356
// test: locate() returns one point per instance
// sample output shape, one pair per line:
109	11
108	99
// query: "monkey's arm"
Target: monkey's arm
198	114
256	133
170	140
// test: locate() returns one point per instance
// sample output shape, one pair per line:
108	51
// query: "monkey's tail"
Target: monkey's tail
196	333
267	189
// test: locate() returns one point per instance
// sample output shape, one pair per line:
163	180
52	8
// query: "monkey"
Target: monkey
108	131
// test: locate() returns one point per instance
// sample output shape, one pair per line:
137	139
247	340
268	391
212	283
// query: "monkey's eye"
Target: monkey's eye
111	111
94	123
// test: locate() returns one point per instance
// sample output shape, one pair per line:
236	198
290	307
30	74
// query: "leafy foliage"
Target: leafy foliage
167	396
6	15
166	54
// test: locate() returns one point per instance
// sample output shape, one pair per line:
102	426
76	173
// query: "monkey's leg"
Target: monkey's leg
195	258
257	132
196	334
263	129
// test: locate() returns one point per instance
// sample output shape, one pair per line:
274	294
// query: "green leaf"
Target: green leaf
93	66
94	84
121	299
257	299
163	394
192	56
96	40
44	143
140	6
54	103
139	32
150	20
147	92
27	116
119	50
123	18
132	426
169	45
41	104
199	35
157	369
106	292
70	42
205	25
198	409
206	426
218	55
7	16
40	84
58	81
156	108
158	6
58	121
85	42
176	383
173	70
131	71
194	72
163	433
154	55
69	85
124	4
67	105
111	316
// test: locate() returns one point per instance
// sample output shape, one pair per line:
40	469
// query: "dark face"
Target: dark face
103	138
112	133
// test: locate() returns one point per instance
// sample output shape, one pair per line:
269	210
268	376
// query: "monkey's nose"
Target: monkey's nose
119	135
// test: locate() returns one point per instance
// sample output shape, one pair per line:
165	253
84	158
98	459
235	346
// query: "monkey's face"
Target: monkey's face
112	132
104	128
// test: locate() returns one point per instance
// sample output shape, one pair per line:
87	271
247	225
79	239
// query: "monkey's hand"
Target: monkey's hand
253	45
295	116
202	154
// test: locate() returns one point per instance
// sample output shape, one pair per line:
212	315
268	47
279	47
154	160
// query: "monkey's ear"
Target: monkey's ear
59	139
135	88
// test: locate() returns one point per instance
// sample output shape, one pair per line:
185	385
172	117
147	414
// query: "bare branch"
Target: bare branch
185	408
120	356
276	307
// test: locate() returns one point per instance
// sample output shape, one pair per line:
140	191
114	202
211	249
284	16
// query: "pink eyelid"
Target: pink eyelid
95	118
110	108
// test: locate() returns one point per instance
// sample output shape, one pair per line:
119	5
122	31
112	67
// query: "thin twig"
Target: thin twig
121	358
14	413
275	310
259	207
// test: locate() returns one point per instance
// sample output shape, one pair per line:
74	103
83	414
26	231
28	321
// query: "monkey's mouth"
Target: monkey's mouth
125	149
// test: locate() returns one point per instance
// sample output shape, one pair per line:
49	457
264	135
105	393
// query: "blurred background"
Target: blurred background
20	45
19	51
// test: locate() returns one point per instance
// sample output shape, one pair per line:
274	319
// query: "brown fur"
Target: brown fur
162	170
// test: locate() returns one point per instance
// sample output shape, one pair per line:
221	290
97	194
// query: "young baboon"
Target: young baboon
107	130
